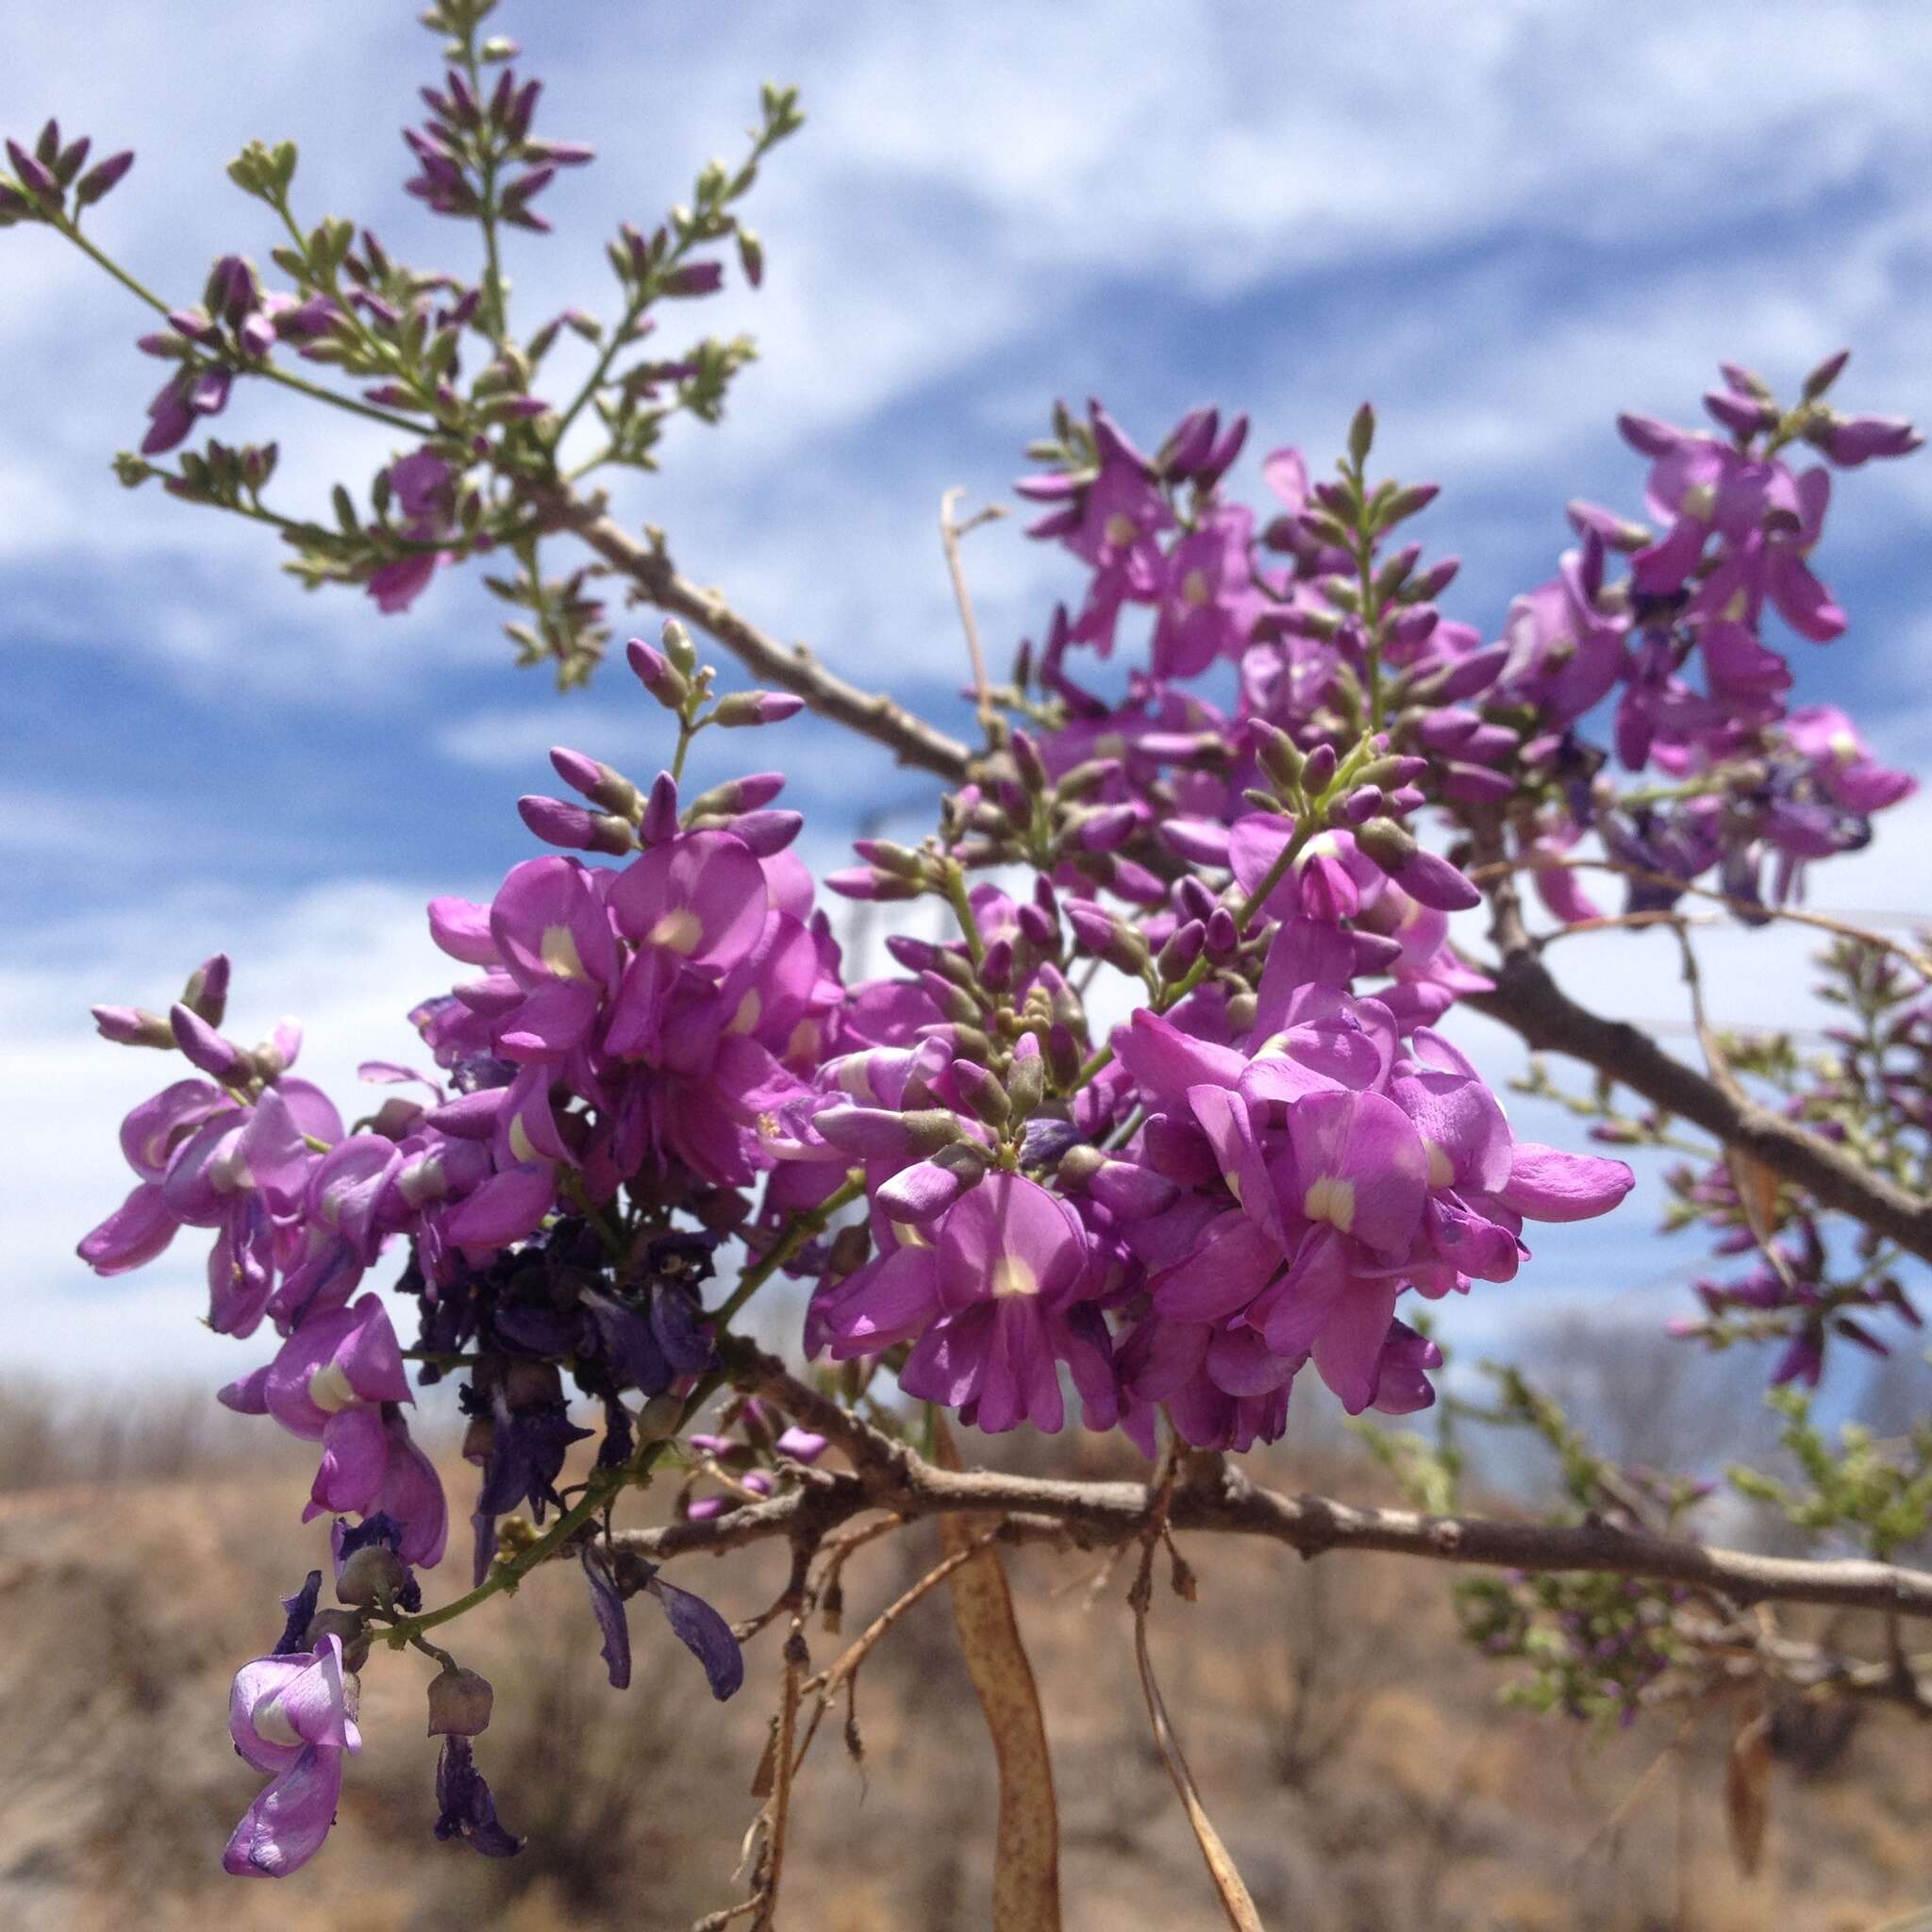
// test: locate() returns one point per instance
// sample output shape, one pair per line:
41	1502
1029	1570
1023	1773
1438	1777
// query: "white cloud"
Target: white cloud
347	959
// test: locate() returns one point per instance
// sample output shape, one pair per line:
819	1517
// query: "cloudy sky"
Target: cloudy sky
1502	220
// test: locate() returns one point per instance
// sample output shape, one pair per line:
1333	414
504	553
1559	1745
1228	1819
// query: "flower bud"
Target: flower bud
850	1251
1423	875
602	786
657	675
1317	770
1026	1079
930	1187
459	1702
982	1092
1277	752
204	1046
862	882
1181	950
900	861
679	646
1221	937
1086	776
574	829
915	955
767	832
748	708
1062	1054
752	793
1037	927
1030	765
658	823
103	178
206	991
1824	376
954	1002
1361	435
996	968
133	1027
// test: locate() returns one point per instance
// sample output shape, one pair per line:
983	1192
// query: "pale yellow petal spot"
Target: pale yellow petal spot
1011	1275
328	1389
559	953
1330	1199
676	932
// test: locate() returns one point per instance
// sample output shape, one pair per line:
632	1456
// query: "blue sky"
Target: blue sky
1502	222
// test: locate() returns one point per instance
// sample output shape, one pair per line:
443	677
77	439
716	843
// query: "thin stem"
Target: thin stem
962	902
950	534
72	230
267	369
804	1227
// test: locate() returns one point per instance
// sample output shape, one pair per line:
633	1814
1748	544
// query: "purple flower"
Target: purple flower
292	1716
465	1808
992	1300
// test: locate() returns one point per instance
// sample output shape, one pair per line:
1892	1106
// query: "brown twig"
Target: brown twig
1103	1514
653	579
950	534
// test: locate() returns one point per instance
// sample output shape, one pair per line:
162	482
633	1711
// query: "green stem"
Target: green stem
804	1228
962	902
495	307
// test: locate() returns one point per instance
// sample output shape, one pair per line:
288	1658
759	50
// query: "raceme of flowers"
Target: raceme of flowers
655	1052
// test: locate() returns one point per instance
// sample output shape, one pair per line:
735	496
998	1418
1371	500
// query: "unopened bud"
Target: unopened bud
982	1092
1182	950
954	1002
204	1046
1030	765
900	861
575	829
1027	1079
679	646
598	782
133	1027
1062	1055
657	675
747	708
206	991
658	823
1085	777
851	1250
1318	769
1221	937
1277	752
1361	435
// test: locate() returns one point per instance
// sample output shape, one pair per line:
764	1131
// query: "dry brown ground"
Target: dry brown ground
1355	1758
